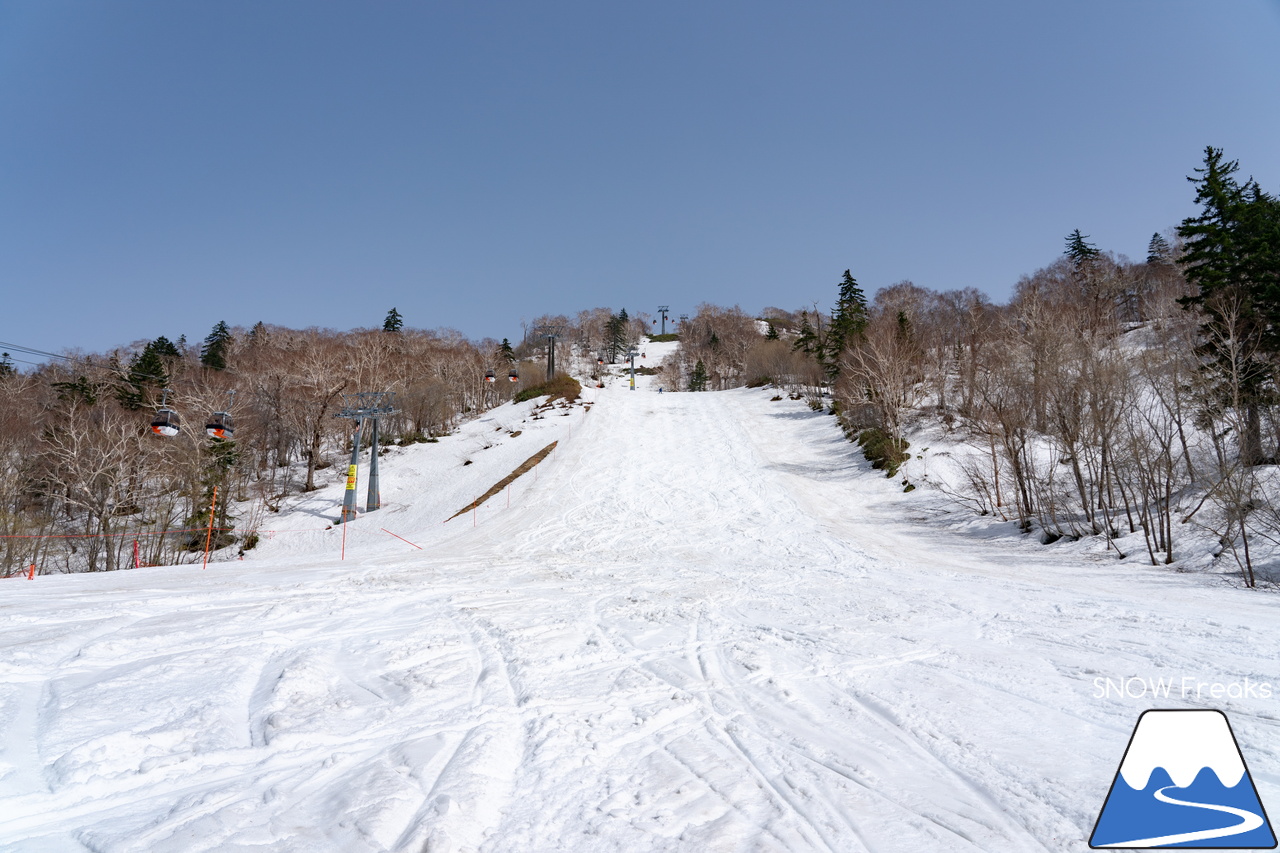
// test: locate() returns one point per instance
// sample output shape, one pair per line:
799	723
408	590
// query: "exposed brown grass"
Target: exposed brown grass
524	468
561	387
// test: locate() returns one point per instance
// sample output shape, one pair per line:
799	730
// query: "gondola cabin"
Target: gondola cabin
514	376
490	376
220	426
165	423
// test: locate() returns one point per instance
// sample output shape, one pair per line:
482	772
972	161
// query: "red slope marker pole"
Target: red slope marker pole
344	534
209	536
31	575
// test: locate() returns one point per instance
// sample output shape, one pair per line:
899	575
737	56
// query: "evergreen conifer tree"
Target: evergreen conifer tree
1082	253
806	340
1260	267
850	318
165	348
6	365
213	354
505	352
1086	270
698	379
1232	259
1159	251
615	335
80	390
218	458
771	334
148	369
394	321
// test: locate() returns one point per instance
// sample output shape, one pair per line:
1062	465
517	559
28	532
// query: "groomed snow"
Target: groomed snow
703	624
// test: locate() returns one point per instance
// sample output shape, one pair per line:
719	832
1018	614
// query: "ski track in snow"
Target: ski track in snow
703	624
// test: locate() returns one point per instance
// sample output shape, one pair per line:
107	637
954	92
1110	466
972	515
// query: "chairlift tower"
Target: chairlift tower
684	318
550	332
631	354
366	405
663	309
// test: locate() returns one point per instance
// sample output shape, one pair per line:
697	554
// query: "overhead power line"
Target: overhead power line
23	360
31	351
127	374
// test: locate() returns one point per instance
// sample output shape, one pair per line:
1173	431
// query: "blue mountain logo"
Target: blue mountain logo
1183	783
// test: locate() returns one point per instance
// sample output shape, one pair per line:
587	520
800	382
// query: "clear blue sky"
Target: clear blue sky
168	164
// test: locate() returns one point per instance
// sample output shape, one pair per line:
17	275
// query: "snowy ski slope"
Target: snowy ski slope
702	624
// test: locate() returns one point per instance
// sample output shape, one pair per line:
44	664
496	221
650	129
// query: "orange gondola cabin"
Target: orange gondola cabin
220	426
165	423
